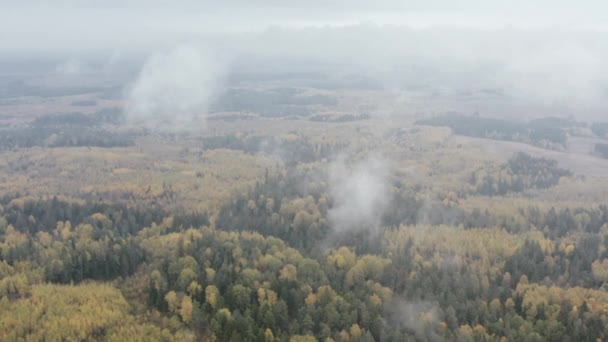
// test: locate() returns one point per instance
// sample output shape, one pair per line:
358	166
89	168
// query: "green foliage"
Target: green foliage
539	132
275	102
521	172
600	129
477	126
268	268
69	130
601	149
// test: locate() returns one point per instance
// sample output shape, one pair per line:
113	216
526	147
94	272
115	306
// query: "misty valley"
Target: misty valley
196	179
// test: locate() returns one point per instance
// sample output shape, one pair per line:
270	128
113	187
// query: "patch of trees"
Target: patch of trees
110	249
292	149
601	149
69	130
21	88
64	119
340	118
103	116
63	137
476	126
69	313
231	117
551	130
545	132
554	222
84	103
277	102
600	129
35	215
570	266
238	77
277	207
309	79
521	172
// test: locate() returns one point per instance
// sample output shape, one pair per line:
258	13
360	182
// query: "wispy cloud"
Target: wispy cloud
174	86
360	194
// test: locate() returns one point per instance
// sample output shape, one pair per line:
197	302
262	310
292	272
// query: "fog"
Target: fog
174	85
553	64
360	193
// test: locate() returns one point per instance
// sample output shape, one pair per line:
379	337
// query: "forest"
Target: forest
269	267
192	194
303	171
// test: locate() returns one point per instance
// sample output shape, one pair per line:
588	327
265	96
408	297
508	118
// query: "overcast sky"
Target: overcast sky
36	25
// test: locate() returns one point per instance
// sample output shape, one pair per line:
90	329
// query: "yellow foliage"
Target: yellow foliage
186	309
465	330
288	273
212	295
68	313
375	300
171	299
268	335
272	297
302	338
310	299
261	295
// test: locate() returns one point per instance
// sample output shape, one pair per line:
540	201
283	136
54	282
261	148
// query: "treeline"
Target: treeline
84	103
21	88
64	137
276	102
519	173
68	130
34	215
554	223
546	132
600	129
340	118
103	116
292	149
601	149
